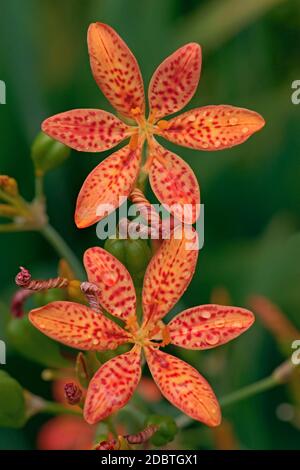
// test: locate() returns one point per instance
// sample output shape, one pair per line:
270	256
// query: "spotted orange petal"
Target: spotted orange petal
107	186
208	326
78	326
117	293
184	387
169	273
175	81
115	69
174	184
112	386
212	127
86	130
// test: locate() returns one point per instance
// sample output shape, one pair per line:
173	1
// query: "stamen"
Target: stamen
163	125
134	141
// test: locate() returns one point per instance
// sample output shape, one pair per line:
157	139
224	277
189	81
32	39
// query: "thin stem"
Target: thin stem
39	187
279	376
58	409
249	391
15	227
58	243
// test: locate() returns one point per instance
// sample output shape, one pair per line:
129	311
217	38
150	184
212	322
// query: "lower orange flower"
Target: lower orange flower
167	277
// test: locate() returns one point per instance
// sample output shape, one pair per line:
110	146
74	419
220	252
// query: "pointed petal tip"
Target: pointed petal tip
213	127
215	420
115	69
112	386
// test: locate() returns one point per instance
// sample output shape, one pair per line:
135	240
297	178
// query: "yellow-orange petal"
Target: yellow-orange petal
86	130
208	326
117	293
115	70
169	273
107	186
184	387
112	386
174	184
77	326
175	81
213	127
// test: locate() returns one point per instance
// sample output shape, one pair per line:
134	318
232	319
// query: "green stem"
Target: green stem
58	243
58	409
39	187
249	391
279	376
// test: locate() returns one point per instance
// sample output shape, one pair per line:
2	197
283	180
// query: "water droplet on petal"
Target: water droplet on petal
205	314
220	323
233	121
217	143
95	341
118	311
237	324
186	274
212	338
245	130
192	118
147	299
205	145
110	278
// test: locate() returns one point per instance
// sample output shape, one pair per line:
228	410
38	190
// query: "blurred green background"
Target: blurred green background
251	193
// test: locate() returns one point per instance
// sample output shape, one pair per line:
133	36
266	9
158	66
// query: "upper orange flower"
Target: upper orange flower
167	277
173	84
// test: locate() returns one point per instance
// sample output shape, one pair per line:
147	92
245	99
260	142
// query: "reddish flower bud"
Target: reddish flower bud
73	393
18	301
23	277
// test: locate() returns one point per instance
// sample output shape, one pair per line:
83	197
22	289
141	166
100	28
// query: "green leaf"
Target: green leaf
33	345
12	402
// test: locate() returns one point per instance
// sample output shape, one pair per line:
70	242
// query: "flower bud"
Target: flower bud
73	393
134	254
167	429
47	153
9	185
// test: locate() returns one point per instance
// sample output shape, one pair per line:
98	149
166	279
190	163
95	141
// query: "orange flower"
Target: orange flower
167	277
173	84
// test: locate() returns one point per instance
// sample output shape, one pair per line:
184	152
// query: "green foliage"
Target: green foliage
166	432
12	402
134	254
33	345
